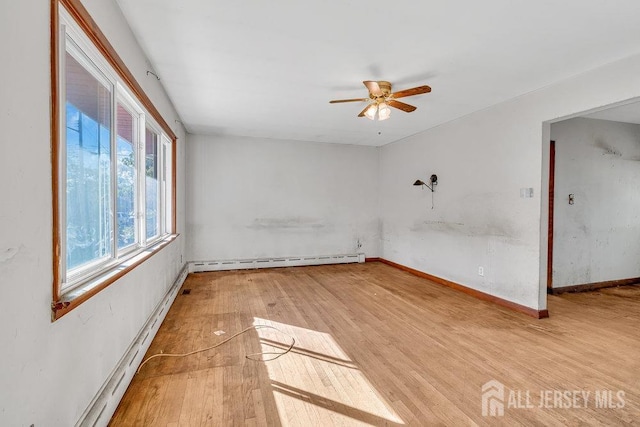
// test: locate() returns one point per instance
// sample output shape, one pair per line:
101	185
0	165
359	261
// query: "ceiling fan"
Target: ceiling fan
381	98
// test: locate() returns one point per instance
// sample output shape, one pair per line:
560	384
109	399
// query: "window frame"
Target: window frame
150	125
124	99
78	51
91	46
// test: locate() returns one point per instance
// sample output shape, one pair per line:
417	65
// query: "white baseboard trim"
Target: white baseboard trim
293	261
105	402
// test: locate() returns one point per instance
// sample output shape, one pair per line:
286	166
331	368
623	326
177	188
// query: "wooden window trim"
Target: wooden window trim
61	306
75	297
90	28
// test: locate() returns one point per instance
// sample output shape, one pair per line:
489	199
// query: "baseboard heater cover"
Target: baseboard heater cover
247	264
105	402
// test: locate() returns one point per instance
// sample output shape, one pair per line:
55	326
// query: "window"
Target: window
88	172
114	168
152	186
126	175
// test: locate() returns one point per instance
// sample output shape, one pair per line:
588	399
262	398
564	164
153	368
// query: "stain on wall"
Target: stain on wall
287	223
487	229
310	200
8	254
606	147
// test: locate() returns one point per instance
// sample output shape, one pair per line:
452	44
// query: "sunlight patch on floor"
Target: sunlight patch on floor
317	383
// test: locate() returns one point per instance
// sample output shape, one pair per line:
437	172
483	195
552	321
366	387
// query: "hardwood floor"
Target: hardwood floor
379	346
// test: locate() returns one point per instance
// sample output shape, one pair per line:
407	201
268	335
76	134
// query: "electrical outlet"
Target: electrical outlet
480	271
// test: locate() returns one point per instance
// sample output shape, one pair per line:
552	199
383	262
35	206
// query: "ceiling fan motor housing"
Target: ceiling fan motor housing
385	87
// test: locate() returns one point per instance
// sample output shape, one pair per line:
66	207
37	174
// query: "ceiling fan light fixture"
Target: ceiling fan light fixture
381	99
383	111
370	113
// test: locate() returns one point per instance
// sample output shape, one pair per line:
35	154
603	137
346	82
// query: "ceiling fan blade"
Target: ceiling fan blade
373	87
337	101
413	91
365	109
401	106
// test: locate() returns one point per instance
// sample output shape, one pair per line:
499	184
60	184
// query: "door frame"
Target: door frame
552	173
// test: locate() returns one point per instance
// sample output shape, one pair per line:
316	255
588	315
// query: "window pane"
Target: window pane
125	200
88	166
152	188
165	189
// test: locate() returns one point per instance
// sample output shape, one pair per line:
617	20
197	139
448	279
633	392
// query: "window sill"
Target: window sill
76	296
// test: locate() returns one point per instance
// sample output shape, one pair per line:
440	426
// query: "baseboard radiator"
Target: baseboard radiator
105	402
246	264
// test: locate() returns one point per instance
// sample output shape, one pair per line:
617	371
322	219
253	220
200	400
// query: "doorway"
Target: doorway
594	204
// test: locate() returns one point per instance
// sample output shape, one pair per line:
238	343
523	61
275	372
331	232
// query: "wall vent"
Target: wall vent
246	264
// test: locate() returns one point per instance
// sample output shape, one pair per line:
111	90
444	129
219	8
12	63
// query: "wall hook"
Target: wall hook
153	74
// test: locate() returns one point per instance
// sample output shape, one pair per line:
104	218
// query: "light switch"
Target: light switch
526	193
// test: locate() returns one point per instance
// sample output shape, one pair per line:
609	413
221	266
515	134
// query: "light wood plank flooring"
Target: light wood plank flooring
379	346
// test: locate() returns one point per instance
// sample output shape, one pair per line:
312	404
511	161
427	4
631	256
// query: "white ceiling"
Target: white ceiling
628	113
269	68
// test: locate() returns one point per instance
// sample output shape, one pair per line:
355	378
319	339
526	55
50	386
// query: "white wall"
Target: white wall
253	198
49	372
482	161
598	237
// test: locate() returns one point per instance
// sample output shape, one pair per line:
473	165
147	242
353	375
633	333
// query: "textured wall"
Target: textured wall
482	161
598	237
251	198
51	371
